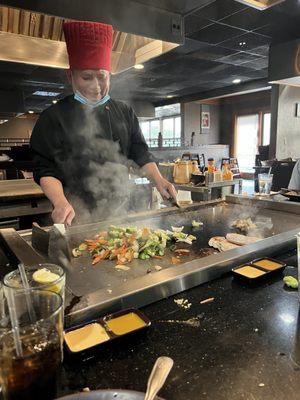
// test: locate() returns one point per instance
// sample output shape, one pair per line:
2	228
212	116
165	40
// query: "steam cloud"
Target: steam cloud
96	172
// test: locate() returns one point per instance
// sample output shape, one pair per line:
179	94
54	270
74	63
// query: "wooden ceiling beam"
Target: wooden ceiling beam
4	26
24	22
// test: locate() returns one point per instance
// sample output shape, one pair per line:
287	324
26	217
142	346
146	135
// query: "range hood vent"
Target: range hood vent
284	63
261	4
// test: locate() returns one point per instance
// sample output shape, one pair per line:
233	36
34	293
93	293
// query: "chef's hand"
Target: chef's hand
63	213
166	189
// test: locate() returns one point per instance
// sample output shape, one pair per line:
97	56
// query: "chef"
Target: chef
295	178
84	144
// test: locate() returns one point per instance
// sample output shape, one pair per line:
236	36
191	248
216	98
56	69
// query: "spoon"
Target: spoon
158	376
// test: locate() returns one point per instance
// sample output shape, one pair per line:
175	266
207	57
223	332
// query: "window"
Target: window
170	128
154	129
145	129
266	129
247	141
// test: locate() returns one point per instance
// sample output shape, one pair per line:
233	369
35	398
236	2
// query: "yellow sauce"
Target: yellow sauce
125	323
86	337
268	264
249	271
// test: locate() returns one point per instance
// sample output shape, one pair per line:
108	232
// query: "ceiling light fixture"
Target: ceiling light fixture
235	81
170	96
30	112
139	66
242	44
261	4
45	94
54	101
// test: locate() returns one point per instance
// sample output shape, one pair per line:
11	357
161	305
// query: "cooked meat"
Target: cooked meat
241	240
220	243
244	225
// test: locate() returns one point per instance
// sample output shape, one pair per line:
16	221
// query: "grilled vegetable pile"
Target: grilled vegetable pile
125	244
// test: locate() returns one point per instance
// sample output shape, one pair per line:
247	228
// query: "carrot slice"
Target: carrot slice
96	260
182	251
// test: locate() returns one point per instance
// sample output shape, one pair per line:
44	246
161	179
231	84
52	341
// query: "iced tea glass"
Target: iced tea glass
12	280
31	374
265	183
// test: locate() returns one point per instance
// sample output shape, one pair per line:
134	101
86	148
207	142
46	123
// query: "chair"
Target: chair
282	172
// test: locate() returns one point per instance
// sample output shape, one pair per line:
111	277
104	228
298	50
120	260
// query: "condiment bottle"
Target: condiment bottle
227	174
211	165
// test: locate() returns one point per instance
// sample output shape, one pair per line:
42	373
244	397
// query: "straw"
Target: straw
14	322
269	173
26	286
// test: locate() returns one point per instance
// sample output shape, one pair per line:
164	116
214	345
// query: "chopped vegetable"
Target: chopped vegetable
177	228
175	260
82	247
125	244
291	282
196	224
76	252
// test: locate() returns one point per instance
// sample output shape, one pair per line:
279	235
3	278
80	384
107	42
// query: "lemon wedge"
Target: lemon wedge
45	276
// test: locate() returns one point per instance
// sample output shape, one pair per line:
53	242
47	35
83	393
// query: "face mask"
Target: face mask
83	100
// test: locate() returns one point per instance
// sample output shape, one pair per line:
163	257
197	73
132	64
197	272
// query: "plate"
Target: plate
106	395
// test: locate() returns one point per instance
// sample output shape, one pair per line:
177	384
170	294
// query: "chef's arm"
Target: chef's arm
63	212
165	188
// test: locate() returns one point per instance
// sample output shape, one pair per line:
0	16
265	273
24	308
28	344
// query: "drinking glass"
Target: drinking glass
265	183
13	279
29	365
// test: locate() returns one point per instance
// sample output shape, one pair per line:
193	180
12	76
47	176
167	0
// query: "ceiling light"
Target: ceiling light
242	44
170	96
139	66
237	81
30	112
261	4
54	101
2	121
45	94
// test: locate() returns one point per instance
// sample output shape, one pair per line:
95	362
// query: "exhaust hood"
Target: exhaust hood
261	4
284	63
30	38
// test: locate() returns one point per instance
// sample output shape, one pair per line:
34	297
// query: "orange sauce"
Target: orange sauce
125	323
268	264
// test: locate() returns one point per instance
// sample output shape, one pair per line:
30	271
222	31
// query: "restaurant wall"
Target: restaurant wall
17	128
238	105
191	122
288	125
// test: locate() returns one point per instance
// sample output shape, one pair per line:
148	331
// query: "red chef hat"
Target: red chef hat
89	44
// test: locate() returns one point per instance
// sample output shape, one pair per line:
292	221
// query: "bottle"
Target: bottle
227	174
211	165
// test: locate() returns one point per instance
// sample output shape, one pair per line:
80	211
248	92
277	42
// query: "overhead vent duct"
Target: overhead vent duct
38	39
261	4
284	63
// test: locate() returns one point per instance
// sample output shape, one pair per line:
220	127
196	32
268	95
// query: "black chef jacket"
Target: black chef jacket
89	149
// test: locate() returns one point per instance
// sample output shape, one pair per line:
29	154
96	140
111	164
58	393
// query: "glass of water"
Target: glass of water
265	183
